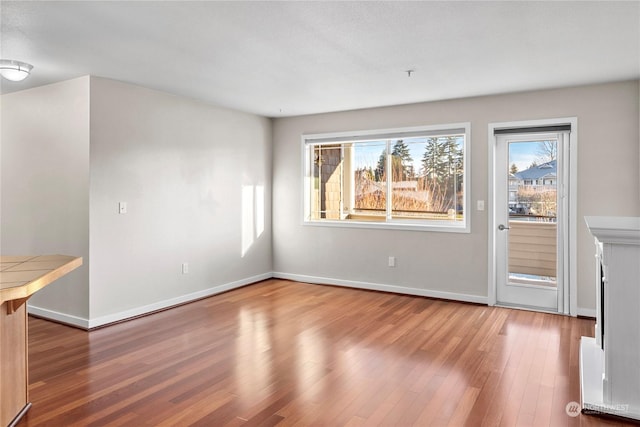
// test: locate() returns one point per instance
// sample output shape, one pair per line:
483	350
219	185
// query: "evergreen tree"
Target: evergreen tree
452	166
431	160
442	165
514	169
403	166
401	163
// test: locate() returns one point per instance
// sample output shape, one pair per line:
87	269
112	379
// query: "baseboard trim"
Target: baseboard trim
381	287
102	321
145	309
66	319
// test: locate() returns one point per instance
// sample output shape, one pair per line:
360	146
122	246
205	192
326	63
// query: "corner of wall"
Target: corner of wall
45	184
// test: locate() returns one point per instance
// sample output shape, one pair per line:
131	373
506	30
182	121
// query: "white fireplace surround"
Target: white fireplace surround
610	362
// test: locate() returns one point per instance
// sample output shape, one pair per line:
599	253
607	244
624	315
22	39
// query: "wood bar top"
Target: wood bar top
22	276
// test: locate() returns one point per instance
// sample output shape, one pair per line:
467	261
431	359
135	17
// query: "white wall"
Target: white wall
196	179
44	141
182	167
447	264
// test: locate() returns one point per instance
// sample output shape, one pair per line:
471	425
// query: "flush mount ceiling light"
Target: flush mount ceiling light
14	70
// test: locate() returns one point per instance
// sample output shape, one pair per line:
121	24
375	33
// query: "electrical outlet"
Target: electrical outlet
185	268
392	261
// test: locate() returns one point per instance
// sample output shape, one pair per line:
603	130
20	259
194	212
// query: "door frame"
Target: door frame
570	300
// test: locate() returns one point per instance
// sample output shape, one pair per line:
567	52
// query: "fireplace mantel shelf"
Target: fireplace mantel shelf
610	229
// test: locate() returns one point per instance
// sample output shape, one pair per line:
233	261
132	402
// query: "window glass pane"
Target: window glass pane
326	181
532	181
428	178
533	235
370	180
408	200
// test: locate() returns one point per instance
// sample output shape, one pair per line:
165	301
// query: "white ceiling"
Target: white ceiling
290	58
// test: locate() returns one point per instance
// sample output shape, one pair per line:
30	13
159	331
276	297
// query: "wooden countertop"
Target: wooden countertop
22	276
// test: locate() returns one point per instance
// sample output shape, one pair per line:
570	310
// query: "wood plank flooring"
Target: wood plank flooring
291	354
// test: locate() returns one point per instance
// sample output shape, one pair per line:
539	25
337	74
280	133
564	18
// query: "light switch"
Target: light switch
122	207
480	205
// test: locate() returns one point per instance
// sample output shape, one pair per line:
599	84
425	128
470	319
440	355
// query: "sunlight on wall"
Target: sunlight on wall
247	218
252	215
259	198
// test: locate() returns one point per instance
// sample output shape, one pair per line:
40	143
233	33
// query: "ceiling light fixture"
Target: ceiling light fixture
15	71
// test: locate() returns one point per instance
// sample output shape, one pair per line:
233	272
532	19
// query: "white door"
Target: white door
530	219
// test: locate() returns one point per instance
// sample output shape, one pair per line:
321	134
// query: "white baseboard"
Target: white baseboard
382	287
149	308
145	309
68	319
587	312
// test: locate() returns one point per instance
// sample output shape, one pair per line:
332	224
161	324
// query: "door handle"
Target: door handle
501	227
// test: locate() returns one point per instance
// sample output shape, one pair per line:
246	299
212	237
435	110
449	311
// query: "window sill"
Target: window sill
410	225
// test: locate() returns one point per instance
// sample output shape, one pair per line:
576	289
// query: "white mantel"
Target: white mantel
615	229
610	362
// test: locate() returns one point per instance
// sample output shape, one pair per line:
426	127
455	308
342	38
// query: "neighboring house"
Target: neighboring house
530	182
541	175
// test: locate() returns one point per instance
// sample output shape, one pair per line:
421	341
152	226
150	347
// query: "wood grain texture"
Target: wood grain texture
22	276
291	354
13	367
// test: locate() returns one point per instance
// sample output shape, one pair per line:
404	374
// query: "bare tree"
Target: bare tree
547	151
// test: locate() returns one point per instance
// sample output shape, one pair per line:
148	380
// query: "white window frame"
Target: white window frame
389	134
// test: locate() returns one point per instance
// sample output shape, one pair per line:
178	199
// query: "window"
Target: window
412	178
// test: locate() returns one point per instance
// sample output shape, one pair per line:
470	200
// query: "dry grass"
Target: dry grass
371	195
541	202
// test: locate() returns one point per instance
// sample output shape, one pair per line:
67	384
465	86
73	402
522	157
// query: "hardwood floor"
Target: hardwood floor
291	354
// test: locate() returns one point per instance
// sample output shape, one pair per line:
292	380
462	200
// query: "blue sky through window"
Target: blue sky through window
368	153
523	154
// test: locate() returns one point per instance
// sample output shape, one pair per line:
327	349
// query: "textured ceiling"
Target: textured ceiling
291	58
